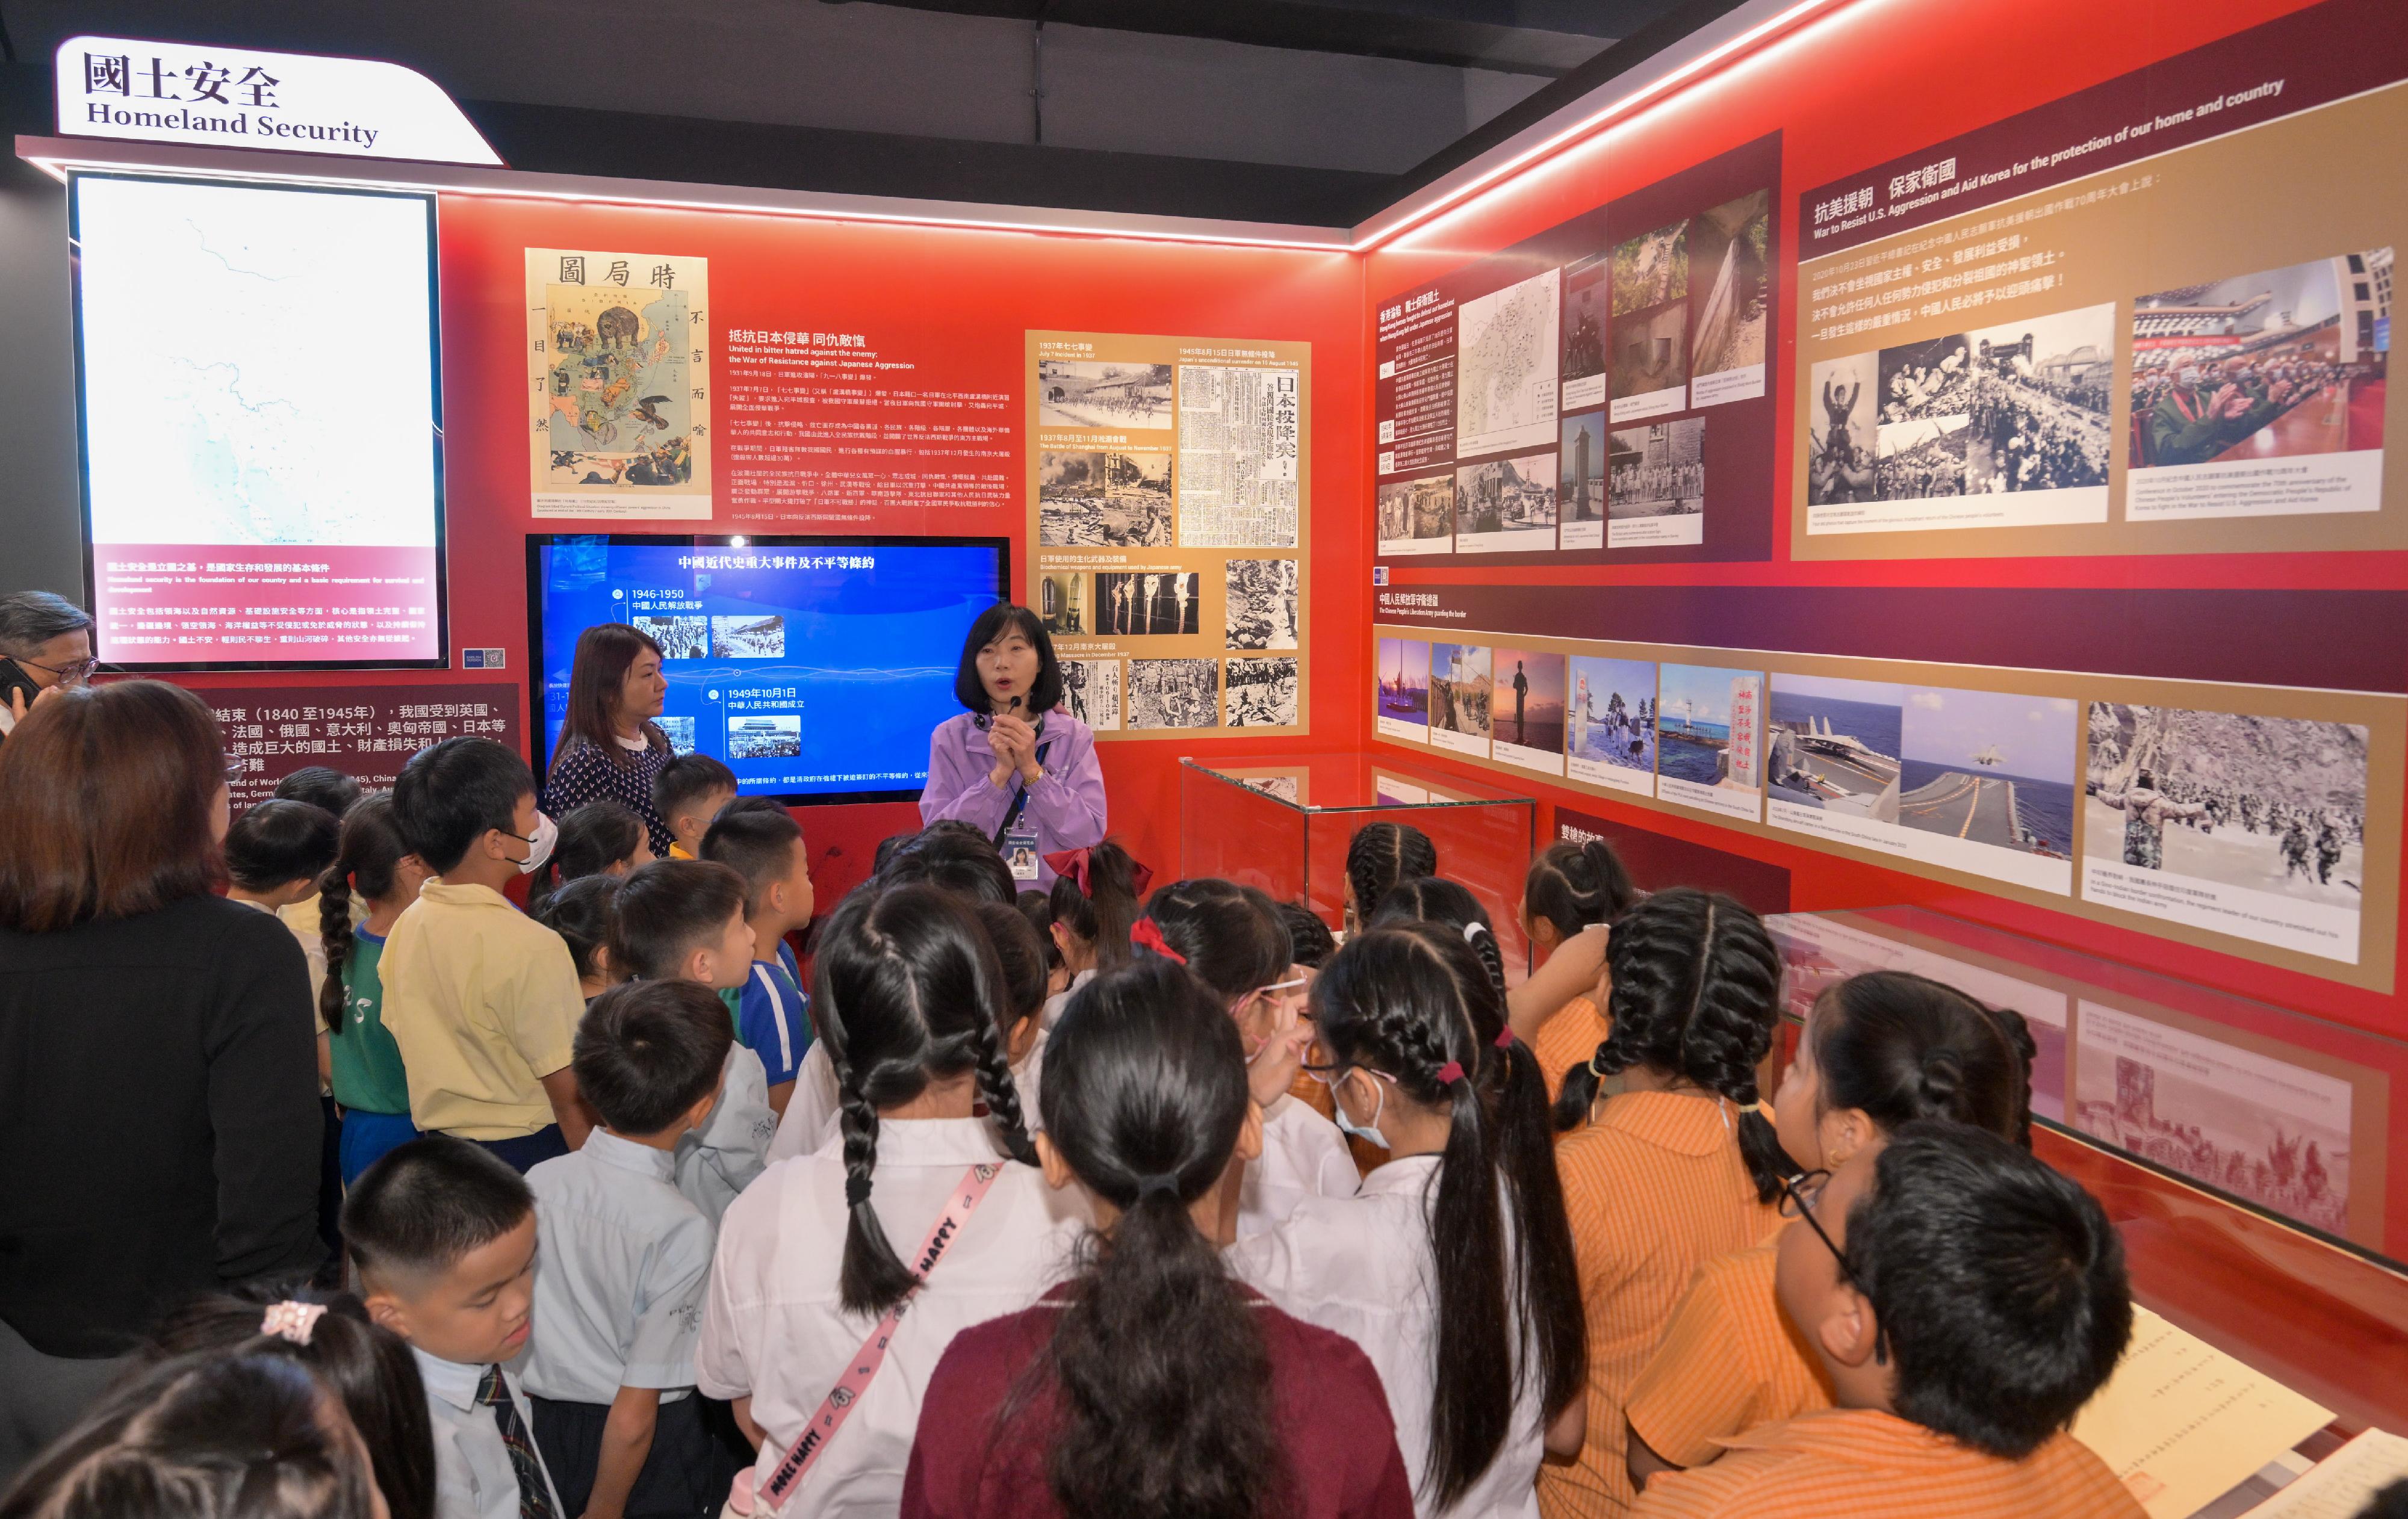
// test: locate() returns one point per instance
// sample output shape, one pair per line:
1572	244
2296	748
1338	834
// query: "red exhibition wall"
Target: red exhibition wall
1868	86
955	305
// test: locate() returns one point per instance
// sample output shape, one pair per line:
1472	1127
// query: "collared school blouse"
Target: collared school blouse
730	1150
1731	1362
473	1475
1304	1155
1570	1038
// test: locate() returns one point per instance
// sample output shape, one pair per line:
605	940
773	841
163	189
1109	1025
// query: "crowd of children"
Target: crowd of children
1114	1199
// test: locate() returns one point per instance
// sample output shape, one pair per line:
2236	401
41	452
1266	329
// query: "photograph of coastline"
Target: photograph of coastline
1528	725
1610	727
1710	738
1401	706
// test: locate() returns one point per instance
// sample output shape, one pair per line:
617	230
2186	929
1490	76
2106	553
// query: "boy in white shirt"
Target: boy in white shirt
619	1280
684	919
442	1234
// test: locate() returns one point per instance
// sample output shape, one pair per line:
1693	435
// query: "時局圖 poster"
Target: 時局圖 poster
619	382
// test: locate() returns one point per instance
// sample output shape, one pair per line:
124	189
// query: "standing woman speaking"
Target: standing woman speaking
1015	766
609	746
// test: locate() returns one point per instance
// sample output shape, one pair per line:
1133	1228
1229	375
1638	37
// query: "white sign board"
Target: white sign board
242	97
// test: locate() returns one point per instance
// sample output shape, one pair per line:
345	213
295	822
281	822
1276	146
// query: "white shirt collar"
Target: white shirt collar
451	1381
1406	1173
608	1148
638	745
937	1142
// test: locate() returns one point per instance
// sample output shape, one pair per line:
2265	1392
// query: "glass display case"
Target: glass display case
2252	1158
1283	824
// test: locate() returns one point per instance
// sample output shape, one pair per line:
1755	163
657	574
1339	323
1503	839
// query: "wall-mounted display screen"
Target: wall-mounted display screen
813	666
261	423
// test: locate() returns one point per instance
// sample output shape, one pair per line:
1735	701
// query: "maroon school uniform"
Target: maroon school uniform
1325	1402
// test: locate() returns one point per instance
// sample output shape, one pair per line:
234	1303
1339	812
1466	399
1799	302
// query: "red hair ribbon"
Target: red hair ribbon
1073	863
1148	935
1450	1073
1505	1038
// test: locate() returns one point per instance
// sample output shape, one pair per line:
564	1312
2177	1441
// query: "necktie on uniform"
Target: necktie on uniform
535	1493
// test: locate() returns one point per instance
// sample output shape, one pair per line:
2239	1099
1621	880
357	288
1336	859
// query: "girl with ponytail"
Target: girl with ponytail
1380	857
1234	939
364	1068
1575	889
1531	1007
1152	1383
599	839
1677	1167
907	999
1452	1267
1879	1049
1090	909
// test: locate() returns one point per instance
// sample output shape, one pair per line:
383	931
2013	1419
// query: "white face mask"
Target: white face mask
1369	1133
547	833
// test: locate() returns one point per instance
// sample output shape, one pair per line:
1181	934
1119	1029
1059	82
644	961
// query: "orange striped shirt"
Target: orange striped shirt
1731	1361
1654	1187
1570	1038
1866	1464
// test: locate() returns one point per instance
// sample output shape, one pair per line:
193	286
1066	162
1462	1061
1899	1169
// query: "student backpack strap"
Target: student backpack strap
846	1394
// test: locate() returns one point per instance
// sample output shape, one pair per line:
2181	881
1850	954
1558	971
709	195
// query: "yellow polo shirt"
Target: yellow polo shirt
483	1001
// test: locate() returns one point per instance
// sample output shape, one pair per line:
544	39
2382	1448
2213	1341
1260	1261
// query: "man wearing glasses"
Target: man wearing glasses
45	645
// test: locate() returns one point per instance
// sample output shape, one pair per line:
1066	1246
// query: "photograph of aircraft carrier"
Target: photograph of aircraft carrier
1834	745
1990	768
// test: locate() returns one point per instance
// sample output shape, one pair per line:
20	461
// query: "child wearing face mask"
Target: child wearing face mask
480	999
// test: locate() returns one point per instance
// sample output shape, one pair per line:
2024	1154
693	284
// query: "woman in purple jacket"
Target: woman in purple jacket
1015	766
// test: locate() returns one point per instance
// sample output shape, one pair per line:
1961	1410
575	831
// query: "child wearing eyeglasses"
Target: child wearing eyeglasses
1676	1168
1879	1051
1964	1301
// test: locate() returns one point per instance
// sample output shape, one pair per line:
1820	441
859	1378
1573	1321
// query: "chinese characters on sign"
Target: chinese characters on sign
366	732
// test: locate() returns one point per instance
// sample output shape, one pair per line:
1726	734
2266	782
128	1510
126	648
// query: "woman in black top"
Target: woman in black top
609	746
158	1057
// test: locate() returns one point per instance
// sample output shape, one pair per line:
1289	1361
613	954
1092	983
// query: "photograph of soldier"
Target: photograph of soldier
1076	394
2041	389
1417	516
1842	401
679	637
1262	691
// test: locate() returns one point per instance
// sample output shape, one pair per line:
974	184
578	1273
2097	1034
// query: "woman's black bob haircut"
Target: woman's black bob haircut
993	623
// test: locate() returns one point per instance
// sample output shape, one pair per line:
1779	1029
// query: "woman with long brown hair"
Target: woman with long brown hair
158	1055
609	747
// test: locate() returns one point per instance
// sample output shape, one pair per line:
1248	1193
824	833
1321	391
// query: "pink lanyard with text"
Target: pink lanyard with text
845	1395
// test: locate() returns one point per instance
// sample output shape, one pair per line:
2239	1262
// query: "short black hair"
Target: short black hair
429	1202
756	843
686	780
584	913
665	909
2390	1503
452	793
320	786
647	1051
957	860
1307	935
279	841
993	623
1998	1284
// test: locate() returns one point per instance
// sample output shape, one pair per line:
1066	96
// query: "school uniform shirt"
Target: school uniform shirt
1570	1038
813	1109
473	1476
1731	1362
1066	805
1654	1187
582	772
774	1330
1054	1004
1362	1266
1325	1405
368	1076
731	1150
301	917
773	1016
622	1260
1865	1464
1026	1073
1304	1155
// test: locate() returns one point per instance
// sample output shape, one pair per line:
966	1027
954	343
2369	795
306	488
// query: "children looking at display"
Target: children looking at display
370	1083
760	841
688	793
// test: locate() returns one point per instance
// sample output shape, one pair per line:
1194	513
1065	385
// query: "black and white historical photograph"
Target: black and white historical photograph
748	637
1260	610
1091	692
1148	605
1417	516
680	731
1506	505
2041	389
1175	693
1657	469
679	637
756	736
1073	393
1097	499
1843	399
1262	691
1060	601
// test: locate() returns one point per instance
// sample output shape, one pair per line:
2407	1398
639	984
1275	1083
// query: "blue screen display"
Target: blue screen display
814	671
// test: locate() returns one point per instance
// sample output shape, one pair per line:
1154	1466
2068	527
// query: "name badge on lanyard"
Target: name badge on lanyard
1017	840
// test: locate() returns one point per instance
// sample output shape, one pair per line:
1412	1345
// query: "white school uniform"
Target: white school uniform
1026	1072
1362	1266
1304	1155
473	1476
1052	1013
732	1148
773	1328
619	1276
811	1109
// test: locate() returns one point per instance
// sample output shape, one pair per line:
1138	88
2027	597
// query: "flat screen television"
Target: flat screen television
813	666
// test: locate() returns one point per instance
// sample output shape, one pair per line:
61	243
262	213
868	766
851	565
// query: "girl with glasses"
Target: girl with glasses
1879	1051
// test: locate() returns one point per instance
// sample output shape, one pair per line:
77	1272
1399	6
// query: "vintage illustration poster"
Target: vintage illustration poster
619	388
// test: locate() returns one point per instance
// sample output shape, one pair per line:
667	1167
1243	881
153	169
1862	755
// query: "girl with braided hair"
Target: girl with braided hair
907	999
1234	939
372	864
1574	892
1879	1049
1153	1383
1453	1266
1549	996
1379	858
1676	1168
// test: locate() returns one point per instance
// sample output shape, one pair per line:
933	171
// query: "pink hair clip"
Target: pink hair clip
293	1320
1450	1073
1505	1039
